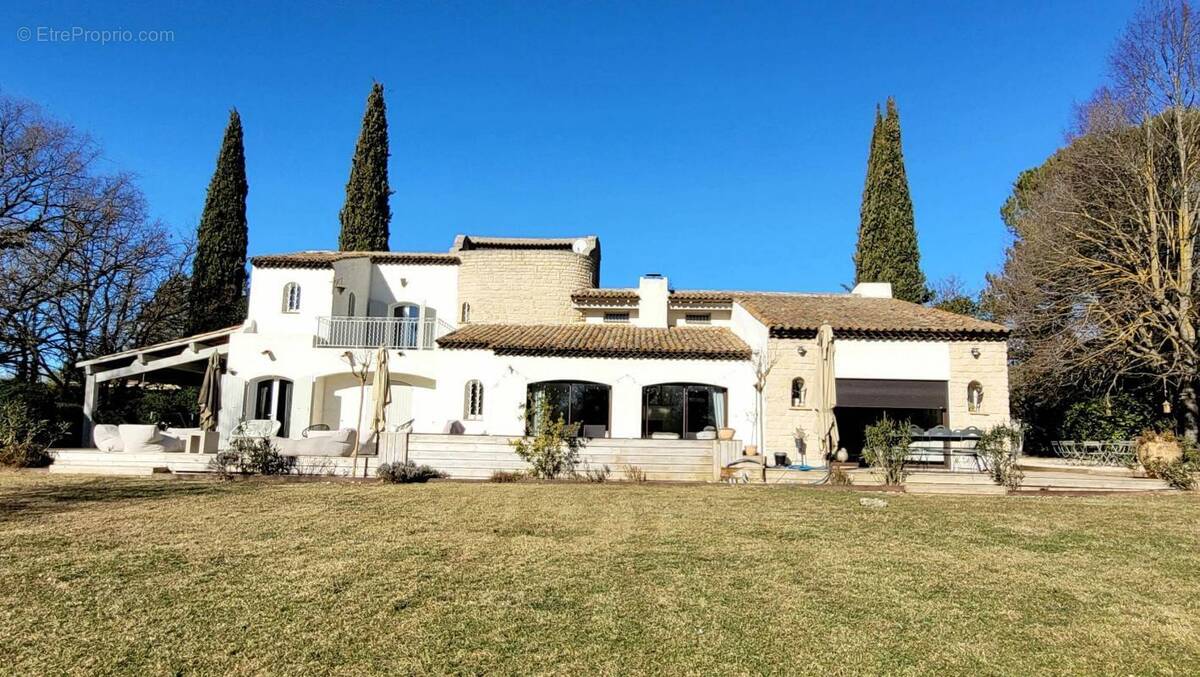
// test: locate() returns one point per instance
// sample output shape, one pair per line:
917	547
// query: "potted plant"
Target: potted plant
750	450
725	433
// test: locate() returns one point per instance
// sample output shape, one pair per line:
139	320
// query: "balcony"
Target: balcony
372	332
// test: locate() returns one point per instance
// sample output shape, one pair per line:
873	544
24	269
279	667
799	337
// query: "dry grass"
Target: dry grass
119	576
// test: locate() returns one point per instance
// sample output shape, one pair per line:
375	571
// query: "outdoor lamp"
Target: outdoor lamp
975	352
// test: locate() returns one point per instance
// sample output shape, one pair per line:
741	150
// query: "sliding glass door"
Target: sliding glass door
579	403
682	409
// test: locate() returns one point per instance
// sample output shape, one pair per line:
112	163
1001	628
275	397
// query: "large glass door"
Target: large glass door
682	409
407	330
585	406
273	402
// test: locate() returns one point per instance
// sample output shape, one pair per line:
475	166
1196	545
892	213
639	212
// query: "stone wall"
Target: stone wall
523	286
990	369
782	418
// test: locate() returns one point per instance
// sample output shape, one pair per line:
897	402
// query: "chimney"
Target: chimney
873	290
652	301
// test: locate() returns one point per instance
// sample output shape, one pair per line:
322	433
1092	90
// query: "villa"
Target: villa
481	335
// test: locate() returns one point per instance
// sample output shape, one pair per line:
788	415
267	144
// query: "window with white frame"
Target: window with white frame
799	392
698	318
473	404
465	315
291	298
974	397
616	318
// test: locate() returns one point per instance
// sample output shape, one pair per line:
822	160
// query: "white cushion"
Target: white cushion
107	438
147	439
134	437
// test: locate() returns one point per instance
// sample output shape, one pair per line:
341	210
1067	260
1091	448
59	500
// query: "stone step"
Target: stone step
965	489
85	469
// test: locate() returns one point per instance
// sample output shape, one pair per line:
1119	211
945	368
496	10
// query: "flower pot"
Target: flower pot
725	434
842	455
751	450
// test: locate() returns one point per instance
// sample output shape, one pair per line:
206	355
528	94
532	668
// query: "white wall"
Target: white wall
754	333
266	299
911	360
677	317
505	379
434	287
352	276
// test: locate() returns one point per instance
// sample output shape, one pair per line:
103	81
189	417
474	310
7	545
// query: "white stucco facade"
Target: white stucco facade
408	301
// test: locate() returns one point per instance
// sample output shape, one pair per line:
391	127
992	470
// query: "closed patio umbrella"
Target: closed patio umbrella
381	395
826	421
209	399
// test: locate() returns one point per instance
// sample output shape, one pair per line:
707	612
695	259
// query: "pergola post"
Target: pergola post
91	391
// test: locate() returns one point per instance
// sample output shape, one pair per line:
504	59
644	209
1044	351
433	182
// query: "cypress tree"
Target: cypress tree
366	214
887	235
215	299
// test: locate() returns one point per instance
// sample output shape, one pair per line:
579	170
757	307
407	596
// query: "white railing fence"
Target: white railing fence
401	333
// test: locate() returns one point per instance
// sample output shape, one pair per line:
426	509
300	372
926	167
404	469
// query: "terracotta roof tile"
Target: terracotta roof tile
325	259
600	340
631	293
863	316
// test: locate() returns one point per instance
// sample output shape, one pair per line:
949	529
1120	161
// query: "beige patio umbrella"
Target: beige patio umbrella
826	421
209	399
381	395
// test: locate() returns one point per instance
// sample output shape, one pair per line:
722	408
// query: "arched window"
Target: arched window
974	397
465	316
350	303
291	298
473	401
799	392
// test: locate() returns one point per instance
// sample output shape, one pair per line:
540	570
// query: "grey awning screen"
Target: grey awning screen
891	394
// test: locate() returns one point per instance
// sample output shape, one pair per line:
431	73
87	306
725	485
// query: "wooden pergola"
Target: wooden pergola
181	361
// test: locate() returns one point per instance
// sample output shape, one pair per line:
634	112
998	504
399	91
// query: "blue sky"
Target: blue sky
722	144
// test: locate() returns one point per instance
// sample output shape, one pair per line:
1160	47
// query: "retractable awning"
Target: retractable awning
892	394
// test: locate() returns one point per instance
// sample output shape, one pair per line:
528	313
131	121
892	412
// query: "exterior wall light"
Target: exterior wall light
802	350
975	352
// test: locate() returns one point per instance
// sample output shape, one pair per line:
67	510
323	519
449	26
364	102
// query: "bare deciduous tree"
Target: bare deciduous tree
1100	282
81	262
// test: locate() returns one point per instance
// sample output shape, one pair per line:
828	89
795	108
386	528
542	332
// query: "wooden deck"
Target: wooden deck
96	462
1041	475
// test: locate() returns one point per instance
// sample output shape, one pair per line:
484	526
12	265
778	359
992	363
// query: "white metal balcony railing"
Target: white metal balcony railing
373	332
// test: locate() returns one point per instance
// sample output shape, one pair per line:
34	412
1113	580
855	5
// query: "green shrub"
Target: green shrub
407	472
226	464
260	457
634	473
998	448
1107	418
886	449
251	456
553	448
599	474
24	438
838	477
1177	474
506	476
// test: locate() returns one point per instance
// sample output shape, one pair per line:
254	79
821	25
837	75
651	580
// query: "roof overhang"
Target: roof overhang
177	360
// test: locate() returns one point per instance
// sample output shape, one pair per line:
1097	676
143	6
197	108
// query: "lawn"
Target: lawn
120	576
